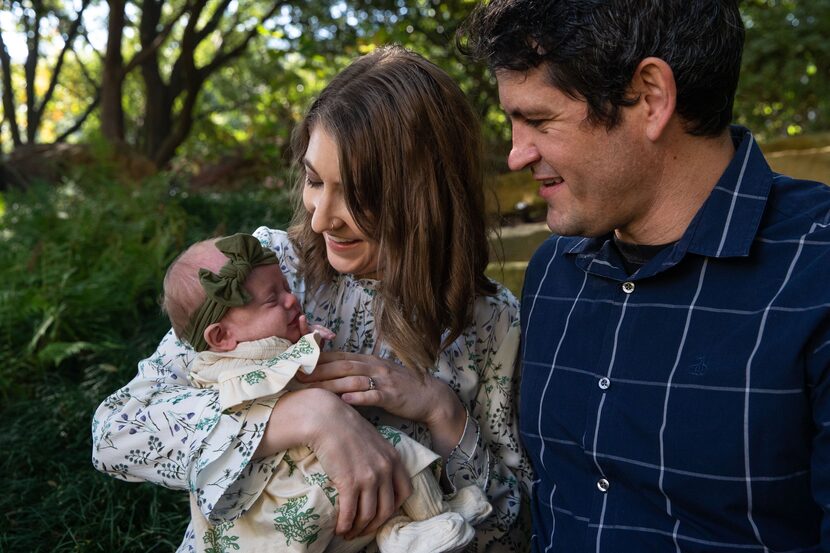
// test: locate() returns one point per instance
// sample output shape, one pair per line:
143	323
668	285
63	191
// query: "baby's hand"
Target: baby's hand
323	332
320	332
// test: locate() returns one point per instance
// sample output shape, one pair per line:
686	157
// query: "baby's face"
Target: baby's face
272	311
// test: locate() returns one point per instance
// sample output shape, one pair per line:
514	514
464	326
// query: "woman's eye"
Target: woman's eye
312	183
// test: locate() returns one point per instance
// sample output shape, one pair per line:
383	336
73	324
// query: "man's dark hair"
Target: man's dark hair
591	48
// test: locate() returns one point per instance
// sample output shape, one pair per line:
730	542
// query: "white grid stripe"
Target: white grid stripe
669	383
735	196
747	395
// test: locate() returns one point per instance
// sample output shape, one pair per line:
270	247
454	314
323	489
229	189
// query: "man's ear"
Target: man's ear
219	338
653	81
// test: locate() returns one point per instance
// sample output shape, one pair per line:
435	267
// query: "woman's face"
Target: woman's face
347	248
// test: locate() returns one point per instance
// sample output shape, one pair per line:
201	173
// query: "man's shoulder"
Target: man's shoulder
799	207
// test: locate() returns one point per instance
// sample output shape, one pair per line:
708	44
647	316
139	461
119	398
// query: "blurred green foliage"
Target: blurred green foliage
81	266
785	79
248	108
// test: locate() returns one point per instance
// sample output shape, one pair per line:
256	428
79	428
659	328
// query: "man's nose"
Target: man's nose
523	153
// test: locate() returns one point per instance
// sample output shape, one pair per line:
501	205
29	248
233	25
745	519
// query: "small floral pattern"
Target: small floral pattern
159	429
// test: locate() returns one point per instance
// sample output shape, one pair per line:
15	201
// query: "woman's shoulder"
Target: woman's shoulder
500	309
503	298
273	239
279	242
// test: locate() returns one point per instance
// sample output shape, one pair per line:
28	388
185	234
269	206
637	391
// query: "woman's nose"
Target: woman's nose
321	212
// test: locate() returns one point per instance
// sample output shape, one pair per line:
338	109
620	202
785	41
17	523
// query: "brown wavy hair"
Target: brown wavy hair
412	178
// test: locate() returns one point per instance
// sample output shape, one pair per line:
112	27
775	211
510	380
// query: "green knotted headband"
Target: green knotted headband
226	290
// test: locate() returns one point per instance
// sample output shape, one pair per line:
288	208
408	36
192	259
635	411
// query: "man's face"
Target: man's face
593	180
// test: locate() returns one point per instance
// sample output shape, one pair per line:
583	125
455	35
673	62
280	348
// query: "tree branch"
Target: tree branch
151	48
70	38
184	65
85	36
222	57
213	22
80	121
84	70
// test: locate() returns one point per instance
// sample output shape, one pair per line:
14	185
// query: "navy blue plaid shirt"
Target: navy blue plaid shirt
686	407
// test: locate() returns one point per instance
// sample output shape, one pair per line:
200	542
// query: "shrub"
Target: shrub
81	266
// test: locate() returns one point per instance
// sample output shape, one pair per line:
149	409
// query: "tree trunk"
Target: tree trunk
9	108
158	105
32	27
112	79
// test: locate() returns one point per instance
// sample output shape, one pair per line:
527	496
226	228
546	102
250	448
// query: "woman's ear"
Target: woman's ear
219	338
653	81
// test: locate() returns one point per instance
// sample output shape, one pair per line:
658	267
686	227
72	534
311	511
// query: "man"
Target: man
676	326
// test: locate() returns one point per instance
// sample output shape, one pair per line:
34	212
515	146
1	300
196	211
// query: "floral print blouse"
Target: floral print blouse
160	429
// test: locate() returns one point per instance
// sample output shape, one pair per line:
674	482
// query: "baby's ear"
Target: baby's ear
218	338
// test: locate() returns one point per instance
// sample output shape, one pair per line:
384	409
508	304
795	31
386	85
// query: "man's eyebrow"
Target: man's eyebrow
529	113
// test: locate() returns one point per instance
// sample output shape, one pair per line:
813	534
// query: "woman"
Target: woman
388	250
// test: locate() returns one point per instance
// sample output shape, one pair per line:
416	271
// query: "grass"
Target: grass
81	266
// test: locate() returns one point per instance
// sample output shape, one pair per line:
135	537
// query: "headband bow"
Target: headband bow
226	290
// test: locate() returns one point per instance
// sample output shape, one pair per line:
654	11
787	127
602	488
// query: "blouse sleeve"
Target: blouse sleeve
489	453
160	429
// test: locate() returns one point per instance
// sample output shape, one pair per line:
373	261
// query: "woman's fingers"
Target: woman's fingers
385	507
346	509
329	370
363	398
366	510
345	385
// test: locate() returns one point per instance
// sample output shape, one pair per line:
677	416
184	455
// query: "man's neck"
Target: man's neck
688	171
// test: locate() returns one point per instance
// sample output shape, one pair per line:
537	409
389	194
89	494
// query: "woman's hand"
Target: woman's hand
366	470
408	393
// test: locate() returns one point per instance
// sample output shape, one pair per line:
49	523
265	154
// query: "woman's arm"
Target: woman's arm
159	429
490	453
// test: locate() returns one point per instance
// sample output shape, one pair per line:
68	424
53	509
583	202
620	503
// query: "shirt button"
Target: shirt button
603	485
628	287
604	383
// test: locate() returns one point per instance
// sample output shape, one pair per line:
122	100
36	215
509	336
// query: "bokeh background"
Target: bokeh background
131	128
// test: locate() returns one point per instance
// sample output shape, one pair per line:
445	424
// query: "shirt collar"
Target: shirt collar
727	222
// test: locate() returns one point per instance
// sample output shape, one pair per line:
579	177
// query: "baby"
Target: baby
229	300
